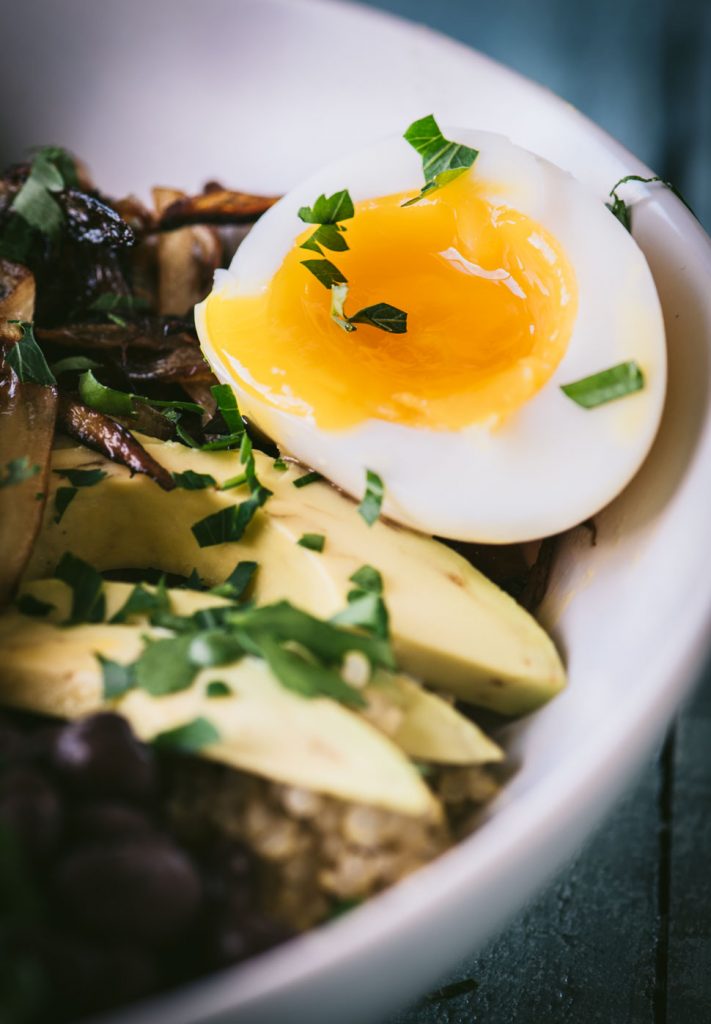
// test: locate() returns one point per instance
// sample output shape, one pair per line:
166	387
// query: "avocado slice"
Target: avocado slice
451	626
264	728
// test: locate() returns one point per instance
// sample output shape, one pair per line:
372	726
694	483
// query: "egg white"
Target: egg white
550	465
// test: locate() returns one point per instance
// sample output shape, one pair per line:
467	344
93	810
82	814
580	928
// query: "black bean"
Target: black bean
142	889
30	808
107	820
100	756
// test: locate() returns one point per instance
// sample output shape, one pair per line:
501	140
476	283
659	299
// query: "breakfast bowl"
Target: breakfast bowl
629	601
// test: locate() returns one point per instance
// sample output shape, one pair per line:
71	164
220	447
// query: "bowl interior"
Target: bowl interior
260	92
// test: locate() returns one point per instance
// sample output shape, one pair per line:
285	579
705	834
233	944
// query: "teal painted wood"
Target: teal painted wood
689	894
586	951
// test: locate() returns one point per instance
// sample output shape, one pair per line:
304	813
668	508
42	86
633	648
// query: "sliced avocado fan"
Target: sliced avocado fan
451	626
259	725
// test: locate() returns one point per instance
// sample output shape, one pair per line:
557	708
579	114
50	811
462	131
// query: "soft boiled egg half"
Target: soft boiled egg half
515	281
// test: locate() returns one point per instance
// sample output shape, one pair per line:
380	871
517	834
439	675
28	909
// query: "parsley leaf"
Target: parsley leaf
82	477
74	363
28	604
606	386
16	471
383	316
117	678
330	236
306	479
367	578
189	737
228	525
365	610
620	209
370	506
63	498
325	272
164	667
107	400
189	480
329	210
312	541
87	586
279	465
438	154
212	647
217	689
27	359
237	582
304	676
141	602
227	404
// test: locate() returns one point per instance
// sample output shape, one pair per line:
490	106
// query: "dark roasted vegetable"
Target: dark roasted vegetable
92	222
156	333
17	297
110	438
184	362
217	205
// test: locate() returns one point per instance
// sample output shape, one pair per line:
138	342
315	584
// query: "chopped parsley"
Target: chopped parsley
295	671
605	386
229	409
16	471
217	688
143	602
189	737
117	679
28	604
27	359
312	541
331	210
63	498
442	160
228	525
306	479
620	209
325	272
73	364
238	581
87	587
189	480
381	315
367	578
104	399
371	504
279	465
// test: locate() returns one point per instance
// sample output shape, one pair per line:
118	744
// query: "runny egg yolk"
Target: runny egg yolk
490	299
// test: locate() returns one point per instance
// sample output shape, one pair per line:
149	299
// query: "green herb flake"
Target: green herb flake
622	211
82	477
606	386
228	525
240	579
306	479
17	471
221	443
312	541
365	610
141	602
325	272
117	679
27	359
217	688
189	480
306	677
213	647
330	236
188	738
383	316
163	666
369	508
367	578
63	498
229	409
28	604
329	210
73	364
442	160
87	586
104	399
279	465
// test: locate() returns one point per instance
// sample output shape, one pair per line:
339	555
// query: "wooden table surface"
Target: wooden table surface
623	935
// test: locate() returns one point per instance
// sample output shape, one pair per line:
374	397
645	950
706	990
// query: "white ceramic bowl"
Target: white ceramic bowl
259	93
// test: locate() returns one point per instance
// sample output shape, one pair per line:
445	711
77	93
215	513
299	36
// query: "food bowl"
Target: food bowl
259	93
